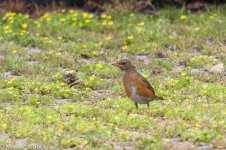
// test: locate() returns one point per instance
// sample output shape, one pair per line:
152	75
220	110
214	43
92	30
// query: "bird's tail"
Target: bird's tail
159	98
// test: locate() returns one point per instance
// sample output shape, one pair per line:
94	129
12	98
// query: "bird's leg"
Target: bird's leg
136	105
148	105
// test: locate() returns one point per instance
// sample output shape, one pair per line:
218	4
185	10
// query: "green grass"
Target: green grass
97	113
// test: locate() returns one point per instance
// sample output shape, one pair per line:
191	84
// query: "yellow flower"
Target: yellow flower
27	16
14	52
62	19
204	105
11	22
98	44
108	38
110	23
197	29
37	34
11	88
215	126
125	47
50	52
87	21
23	31
145	76
73	24
197	125
59	38
71	106
61	130
169	100
183	74
11	81
49	117
70	71
81	25
4	125
49	41
86	83
94	53
154	44
58	54
67	90
85	15
109	17
151	118
91	78
48	19
84	46
183	17
130	37
160	20
139	30
171	37
166	140
46	38
140	24
212	17
7	29
24	26
58	74
104	23
11	14
37	23
75	14
68	142
189	107
71	11
45	15
87	89
90	16
99	66
184	124
131	15
103	16
74	19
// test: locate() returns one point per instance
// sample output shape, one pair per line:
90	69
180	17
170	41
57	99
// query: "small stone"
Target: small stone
2	57
178	69
195	71
217	69
34	50
144	58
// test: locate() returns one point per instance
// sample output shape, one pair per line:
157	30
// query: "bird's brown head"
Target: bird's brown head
124	65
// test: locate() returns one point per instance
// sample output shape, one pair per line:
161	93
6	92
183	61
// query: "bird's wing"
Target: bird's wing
147	84
145	88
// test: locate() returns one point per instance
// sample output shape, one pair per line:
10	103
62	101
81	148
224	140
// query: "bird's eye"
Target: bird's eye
123	63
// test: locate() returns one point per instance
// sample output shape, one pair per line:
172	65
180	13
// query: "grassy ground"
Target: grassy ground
175	50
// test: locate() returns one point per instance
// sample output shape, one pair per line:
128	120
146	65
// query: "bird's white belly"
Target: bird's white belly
136	98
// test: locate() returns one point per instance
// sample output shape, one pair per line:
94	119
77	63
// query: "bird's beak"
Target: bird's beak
116	64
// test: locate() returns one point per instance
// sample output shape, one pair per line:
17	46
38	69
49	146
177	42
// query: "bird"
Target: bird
137	88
